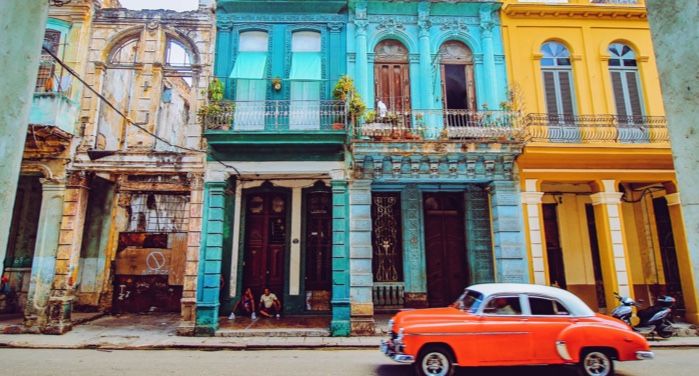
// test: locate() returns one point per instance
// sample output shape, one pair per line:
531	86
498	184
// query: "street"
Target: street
35	362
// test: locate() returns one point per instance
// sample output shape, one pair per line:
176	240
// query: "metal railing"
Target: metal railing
566	128
388	295
440	124
276	116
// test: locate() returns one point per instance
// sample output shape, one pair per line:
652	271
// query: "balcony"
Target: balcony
51	105
261	127
595	129
444	125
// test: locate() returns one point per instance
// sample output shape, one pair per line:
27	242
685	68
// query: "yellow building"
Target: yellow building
599	190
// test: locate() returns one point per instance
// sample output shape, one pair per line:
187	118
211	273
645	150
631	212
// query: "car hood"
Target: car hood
431	315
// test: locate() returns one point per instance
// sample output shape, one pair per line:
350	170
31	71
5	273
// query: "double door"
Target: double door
266	235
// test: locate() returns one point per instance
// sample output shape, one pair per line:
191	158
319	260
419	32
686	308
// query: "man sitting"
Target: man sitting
269	304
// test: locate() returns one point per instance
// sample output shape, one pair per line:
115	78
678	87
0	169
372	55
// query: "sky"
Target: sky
179	5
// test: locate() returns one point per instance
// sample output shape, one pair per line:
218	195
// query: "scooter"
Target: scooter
652	320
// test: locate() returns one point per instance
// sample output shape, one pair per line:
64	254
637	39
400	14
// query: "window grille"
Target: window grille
152	212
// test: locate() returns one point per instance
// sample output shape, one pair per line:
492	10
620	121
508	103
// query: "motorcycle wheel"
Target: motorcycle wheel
665	329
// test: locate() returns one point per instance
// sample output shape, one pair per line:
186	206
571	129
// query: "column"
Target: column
508	240
68	254
414	263
210	258
533	218
336	60
361	59
191	267
612	245
340	324
20	56
433	120
487	25
44	261
690	285
361	275
294	301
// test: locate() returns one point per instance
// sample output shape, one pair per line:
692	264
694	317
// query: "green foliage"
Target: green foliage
357	106
215	92
344	88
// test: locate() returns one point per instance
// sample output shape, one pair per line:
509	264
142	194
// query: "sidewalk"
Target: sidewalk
144	332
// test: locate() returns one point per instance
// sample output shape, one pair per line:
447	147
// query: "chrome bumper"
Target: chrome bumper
645	355
388	350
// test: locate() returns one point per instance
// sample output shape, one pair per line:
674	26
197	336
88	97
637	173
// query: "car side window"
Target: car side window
504	306
546	307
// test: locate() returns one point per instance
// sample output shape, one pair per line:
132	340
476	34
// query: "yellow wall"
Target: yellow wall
587	38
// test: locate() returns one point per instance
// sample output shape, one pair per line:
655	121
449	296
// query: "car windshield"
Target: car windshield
469	301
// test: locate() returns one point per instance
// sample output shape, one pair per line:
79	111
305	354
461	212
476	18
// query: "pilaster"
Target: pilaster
68	254
210	258
414	263
361	275
44	261
508	240
340	325
533	217
479	244
612	245
189	288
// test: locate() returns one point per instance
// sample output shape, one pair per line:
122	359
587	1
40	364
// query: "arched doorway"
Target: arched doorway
392	82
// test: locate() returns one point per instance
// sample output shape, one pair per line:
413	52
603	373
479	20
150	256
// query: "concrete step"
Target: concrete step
277	332
686	330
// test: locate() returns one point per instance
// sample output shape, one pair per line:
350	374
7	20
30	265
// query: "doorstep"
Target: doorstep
287	326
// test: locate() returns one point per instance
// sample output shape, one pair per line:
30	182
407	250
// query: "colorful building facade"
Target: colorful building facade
600	195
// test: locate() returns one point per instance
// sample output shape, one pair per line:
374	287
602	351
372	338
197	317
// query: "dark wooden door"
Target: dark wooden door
668	252
445	247
392	80
554	252
318	239
265	241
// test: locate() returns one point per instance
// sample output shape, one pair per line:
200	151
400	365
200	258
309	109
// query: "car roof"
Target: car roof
574	304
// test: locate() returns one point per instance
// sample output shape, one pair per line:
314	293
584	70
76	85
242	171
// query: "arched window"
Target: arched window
392	79
458	85
177	55
253	41
625	81
126	53
557	72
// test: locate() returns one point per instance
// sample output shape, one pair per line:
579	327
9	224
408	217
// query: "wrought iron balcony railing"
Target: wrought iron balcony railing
275	116
565	128
440	124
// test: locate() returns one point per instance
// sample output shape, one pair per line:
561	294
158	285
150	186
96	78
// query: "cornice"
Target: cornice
530	10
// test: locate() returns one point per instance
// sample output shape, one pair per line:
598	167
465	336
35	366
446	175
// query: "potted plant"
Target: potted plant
276	83
217	114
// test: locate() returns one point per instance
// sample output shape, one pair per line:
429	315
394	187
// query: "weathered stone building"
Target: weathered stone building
128	194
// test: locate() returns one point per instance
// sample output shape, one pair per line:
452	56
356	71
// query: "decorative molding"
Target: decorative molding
226	19
577	11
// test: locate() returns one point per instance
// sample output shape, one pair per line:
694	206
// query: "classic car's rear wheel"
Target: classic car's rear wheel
596	363
435	361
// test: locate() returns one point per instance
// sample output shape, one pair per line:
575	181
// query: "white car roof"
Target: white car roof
574	304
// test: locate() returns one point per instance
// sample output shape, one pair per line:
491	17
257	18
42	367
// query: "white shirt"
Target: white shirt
268	300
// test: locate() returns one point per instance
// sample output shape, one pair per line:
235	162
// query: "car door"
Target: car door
548	317
503	336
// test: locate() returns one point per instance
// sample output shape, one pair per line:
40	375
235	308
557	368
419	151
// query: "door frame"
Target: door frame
266	187
302	268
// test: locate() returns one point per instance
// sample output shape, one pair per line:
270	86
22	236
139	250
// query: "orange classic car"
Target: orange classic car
502	324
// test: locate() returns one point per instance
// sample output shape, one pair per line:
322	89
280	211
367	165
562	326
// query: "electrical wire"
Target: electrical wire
128	119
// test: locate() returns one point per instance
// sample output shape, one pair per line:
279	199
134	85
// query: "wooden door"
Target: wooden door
668	252
554	251
265	241
445	247
318	242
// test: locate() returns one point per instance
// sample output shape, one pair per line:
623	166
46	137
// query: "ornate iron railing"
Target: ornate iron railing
566	128
275	116
440	124
388	295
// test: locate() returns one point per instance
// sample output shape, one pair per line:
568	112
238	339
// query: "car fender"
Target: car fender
624	342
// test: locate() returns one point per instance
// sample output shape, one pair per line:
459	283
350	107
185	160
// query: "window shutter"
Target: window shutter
566	92
619	97
550	91
634	94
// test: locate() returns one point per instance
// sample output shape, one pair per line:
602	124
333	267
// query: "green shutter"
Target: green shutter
566	92
619	96
550	91
250	65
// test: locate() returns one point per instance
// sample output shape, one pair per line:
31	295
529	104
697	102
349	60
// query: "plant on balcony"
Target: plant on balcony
216	114
346	91
276	83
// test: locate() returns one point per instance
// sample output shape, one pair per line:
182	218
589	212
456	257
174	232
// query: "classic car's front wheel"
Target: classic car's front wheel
596	363
435	360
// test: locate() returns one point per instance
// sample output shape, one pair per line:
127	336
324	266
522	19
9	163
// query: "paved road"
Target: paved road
26	362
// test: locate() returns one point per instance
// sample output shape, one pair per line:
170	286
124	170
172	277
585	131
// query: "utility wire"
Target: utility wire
128	119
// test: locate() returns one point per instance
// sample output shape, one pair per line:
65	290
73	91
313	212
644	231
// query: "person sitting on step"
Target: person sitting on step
269	304
245	306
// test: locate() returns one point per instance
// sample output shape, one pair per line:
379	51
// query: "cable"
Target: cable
131	122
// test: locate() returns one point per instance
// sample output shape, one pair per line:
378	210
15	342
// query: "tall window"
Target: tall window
249	76
458	86
46	79
305	76
625	83
392	81
558	79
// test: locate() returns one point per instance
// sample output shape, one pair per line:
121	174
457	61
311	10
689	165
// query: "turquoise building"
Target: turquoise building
275	205
344	212
434	203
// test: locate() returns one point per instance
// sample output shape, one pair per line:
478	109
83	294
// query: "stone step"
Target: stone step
277	332
686	330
